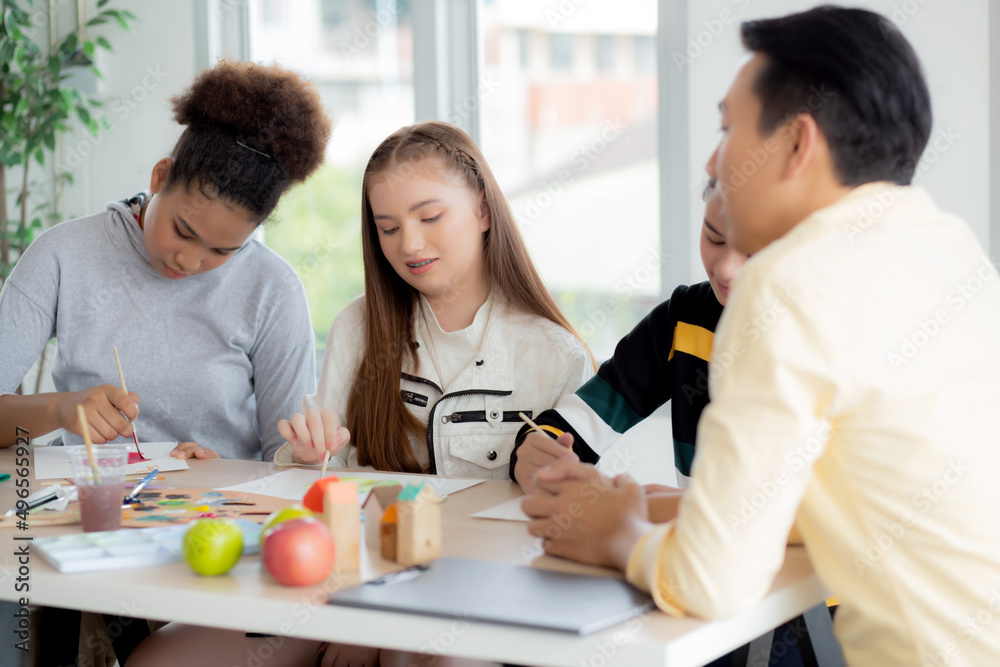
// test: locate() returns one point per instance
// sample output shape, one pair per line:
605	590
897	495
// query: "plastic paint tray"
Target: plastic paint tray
127	547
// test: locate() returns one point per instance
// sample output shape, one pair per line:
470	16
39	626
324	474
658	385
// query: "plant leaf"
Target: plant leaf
6	50
88	49
104	43
22	107
69	44
40	157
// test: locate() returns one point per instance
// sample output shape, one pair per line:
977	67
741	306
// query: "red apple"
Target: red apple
299	552
314	496
280	516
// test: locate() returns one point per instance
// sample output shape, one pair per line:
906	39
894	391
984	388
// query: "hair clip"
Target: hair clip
253	149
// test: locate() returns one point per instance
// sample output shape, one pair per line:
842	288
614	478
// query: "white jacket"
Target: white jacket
525	364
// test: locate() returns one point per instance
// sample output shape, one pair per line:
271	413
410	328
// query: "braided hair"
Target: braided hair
378	420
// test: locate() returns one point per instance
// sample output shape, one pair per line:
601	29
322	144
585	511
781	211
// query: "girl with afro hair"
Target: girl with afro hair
212	327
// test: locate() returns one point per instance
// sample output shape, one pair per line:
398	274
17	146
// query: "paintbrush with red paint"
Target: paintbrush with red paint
121	376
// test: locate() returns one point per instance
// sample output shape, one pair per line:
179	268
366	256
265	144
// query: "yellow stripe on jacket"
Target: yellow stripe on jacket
692	339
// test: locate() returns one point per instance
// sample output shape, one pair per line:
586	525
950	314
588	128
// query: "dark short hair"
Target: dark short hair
857	76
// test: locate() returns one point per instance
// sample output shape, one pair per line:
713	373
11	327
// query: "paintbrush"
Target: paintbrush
326	460
134	493
121	376
86	440
534	426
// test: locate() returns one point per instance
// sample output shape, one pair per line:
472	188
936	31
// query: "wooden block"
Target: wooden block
343	517
388	533
377	502
418	537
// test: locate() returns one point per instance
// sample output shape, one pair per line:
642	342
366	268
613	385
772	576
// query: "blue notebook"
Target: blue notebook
501	593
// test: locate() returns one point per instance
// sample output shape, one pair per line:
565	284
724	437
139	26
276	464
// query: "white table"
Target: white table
247	599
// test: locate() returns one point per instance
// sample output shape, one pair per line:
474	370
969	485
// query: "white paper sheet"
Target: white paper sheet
508	511
53	462
293	484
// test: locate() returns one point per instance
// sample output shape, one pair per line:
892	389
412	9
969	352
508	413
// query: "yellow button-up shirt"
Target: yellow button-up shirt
855	385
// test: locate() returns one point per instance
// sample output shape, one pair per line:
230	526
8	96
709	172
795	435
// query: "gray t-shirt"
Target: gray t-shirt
217	358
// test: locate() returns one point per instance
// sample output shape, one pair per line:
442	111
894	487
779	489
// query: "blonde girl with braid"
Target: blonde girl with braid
455	334
428	369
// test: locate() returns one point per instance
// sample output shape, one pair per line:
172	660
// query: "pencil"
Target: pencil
534	426
86	440
121	377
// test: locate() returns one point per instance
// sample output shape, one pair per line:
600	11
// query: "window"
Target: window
604	47
524	48
577	156
360	56
561	52
645	53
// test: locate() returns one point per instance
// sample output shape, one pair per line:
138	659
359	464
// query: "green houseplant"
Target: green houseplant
38	104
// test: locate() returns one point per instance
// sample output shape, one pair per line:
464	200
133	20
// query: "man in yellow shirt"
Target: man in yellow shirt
855	370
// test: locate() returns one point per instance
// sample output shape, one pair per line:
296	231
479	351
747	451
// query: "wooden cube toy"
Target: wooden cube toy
418	532
343	517
377	502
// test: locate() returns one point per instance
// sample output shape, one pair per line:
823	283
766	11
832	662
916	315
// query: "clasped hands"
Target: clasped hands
578	512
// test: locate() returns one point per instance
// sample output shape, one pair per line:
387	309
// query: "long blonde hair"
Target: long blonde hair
379	422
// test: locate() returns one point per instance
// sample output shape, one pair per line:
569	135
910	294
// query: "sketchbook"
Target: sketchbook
501	593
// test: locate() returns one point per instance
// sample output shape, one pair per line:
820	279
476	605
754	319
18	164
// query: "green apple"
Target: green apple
212	546
282	515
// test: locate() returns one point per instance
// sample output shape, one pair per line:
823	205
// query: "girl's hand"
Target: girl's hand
344	655
191	450
314	433
538	451
103	407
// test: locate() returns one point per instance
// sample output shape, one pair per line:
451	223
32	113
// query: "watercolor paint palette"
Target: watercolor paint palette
181	505
115	549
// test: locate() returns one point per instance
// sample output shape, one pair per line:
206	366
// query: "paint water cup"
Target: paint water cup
101	494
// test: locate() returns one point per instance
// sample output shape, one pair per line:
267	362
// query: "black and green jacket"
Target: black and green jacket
664	357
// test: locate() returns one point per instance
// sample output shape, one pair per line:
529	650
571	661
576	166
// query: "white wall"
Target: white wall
151	62
952	42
